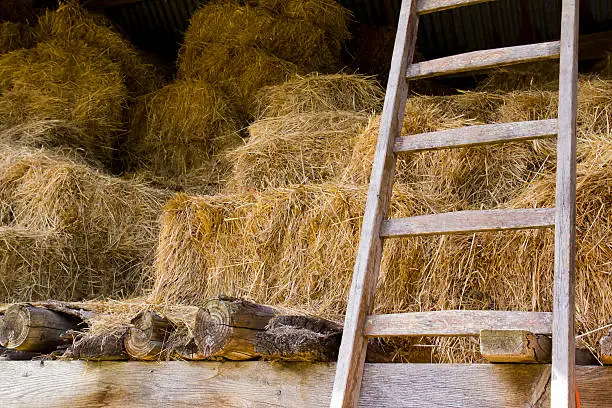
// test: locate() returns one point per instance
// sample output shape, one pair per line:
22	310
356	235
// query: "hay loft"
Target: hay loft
71	24
178	128
109	225
55	82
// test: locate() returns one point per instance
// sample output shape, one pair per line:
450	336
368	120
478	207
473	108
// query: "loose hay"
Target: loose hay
71	24
14	36
295	149
75	84
315	93
177	129
111	224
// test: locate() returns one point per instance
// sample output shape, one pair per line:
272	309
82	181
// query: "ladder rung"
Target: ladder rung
476	135
468	222
483	60
431	6
456	323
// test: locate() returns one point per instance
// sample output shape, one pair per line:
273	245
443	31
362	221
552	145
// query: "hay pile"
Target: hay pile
70	24
245	47
95	234
296	246
306	131
54	82
176	130
14	36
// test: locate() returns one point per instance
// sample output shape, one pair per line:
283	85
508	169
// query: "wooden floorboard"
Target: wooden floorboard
259	384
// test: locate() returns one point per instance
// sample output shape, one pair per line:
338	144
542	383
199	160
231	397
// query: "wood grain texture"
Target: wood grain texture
515	346
562	388
468	221
606	348
149	336
456	323
352	352
476	136
57	384
484	59
432	6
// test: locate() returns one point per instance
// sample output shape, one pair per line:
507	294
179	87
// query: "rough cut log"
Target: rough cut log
299	338
104	347
35	329
148	338
189	351
606	348
227	327
515	346
16	355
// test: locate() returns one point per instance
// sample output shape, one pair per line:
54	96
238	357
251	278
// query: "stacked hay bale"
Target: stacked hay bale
70	231
231	50
296	245
306	131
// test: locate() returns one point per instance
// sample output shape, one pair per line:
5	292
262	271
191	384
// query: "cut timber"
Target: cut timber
299	338
606	348
468	222
35	329
105	347
476	136
456	323
256	384
484	59
432	6
227	327
16	355
515	346
147	339
189	351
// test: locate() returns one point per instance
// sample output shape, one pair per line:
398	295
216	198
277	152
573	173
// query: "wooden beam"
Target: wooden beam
77	384
149	337
433	6
456	323
515	346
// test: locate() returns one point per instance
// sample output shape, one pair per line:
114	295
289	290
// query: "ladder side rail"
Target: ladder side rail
349	369
563	364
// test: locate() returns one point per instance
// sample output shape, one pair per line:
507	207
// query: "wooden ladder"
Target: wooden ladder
359	324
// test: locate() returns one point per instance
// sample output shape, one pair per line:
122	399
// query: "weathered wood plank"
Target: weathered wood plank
432	6
515	346
468	221
352	352
484	59
476	136
79	384
563	371
456	323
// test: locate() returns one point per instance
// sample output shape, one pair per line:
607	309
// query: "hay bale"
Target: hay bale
295	149
314	92
111	223
177	129
70	24
295	40
14	36
75	84
239	72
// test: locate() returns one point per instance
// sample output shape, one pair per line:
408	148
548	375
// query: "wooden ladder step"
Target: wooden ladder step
476	135
456	323
460	222
484	59
432	6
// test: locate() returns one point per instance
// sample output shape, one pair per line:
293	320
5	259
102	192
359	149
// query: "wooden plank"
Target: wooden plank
456	323
432	6
352	352
563	371
484	59
515	346
476	136
461	222
58	384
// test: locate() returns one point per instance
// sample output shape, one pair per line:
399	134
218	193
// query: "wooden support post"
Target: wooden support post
515	346
227	327
299	338
34	329
147	339
606	348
